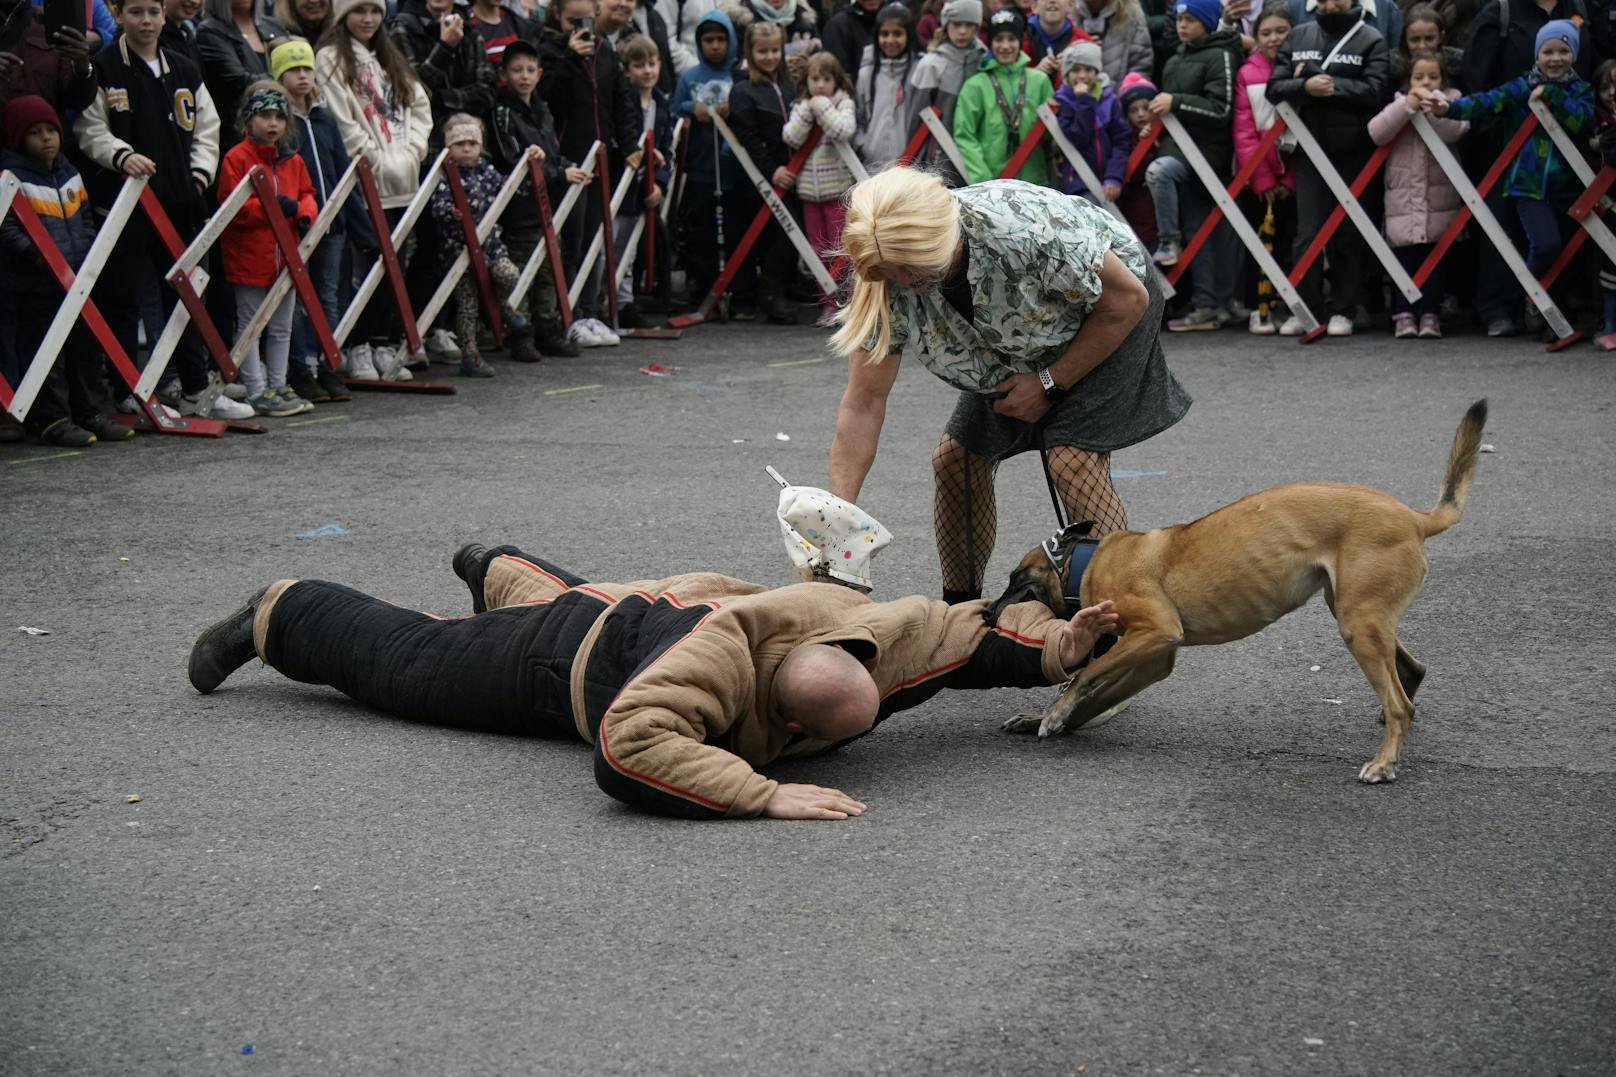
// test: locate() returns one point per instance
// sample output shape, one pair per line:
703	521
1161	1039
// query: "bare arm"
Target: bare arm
858	422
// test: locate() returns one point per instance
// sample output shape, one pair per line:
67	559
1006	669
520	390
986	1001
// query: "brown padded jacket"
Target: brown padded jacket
682	733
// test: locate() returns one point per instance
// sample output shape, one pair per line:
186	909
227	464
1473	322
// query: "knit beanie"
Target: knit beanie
23	112
1561	30
895	11
963	11
1080	54
1135	87
1008	20
1207	12
341	8
291	54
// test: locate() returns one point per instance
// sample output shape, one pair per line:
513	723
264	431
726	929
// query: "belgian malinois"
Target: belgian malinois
1241	568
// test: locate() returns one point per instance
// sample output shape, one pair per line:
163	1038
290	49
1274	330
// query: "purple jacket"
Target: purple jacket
1098	127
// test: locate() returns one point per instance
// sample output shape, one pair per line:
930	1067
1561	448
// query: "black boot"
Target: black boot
470	563
552	340
521	346
781	311
225	647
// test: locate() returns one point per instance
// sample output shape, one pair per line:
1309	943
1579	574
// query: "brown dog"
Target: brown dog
1239	569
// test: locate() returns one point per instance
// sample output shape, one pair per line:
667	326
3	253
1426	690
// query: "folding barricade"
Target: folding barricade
1473	194
77	303
549	250
1583	210
649	233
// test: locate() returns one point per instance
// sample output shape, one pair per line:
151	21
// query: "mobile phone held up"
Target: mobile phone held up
584	25
63	14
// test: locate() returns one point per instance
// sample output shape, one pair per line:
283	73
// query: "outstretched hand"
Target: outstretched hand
1087	625
810	802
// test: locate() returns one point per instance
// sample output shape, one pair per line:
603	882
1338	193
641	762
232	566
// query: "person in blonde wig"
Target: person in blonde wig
1038	307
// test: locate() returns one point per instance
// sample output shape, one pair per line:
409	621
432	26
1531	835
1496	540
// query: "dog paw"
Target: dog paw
1052	726
1021	723
1374	773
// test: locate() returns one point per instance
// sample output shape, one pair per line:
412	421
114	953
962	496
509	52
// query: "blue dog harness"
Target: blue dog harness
1076	559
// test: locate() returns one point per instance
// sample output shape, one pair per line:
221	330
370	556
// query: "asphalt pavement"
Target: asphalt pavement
1200	886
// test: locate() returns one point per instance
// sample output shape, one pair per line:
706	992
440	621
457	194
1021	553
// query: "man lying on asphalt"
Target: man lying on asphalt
682	685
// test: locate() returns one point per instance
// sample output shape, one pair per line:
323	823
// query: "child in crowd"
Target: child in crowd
252	260
1420	199
825	101
1540	184
883	82
998	106
1274	181
1092	119
1422	31
589	97
1333	72
929	25
133	128
1050	31
1135	95
522	122
1198	87
713	201
463	138
291	63
938	78
644	66
67	411
496	26
758	110
381	108
1603	144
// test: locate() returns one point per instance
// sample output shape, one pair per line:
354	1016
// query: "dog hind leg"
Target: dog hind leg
1372	639
1410	671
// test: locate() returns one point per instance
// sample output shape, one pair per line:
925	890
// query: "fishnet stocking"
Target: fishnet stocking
1084	481
966	516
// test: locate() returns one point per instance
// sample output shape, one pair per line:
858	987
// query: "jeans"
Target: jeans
1181	207
1546	226
324	265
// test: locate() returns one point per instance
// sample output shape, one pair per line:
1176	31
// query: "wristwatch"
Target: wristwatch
1047	380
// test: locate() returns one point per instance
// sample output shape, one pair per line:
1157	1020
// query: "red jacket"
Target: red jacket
250	254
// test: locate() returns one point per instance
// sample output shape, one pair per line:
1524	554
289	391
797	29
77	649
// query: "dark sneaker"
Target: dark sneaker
629	317
331	384
552	340
105	429
303	382
225	646
472	366
782	311
522	349
268	402
65	434
470	563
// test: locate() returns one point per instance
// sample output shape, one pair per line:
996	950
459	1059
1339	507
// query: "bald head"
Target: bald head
825	692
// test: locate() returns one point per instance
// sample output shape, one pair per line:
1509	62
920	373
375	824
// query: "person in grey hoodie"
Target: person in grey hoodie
883	85
937	78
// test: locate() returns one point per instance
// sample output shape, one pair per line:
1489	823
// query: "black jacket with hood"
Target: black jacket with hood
1357	63
458	79
589	96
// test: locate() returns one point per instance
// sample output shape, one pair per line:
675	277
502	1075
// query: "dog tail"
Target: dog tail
1461	469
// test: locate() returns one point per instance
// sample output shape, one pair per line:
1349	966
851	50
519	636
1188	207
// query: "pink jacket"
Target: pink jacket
1420	200
1253	116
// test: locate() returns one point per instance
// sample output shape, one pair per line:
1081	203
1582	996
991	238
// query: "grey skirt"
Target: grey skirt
1126	399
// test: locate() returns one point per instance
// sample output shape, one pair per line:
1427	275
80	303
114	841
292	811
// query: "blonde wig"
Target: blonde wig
902	217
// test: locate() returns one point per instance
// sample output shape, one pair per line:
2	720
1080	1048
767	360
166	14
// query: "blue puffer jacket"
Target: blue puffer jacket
63	205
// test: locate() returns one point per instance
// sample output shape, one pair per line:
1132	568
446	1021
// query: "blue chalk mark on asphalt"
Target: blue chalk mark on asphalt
247	1050
328	531
1115	474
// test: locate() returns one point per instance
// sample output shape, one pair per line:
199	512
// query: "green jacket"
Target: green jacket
1200	76
979	122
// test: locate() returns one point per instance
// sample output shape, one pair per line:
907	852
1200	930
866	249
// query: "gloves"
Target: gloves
288	206
302	224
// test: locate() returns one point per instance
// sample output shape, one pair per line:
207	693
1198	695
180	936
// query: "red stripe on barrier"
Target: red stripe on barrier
474	250
1339	214
393	269
1460	219
302	283
552	249
1024	149
180	281
1579	211
1142	149
1215	214
917	141
603	182
649	161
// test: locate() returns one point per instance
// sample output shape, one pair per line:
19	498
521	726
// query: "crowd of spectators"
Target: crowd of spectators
192	94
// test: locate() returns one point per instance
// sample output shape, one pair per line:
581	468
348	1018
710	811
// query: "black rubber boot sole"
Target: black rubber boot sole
470	563
225	646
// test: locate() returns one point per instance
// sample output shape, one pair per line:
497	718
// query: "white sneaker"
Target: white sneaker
1340	326
1260	326
211	403
236	391
360	363
581	335
225	408
442	346
1292	327
607	336
389	363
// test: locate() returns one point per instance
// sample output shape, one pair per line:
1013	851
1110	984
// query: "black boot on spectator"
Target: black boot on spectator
105	429
472	366
470	563
521	345
331	383
781	311
64	433
10	429
307	386
225	646
552	340
629	317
